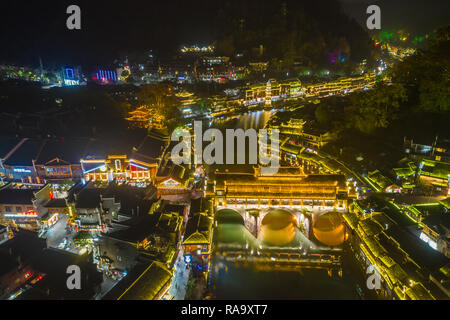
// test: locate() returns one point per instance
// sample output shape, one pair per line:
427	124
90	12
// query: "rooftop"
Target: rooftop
144	282
10	195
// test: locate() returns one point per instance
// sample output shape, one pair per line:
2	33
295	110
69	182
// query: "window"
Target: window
8	209
118	164
18	209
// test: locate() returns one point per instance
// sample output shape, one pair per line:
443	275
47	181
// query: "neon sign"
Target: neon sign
171	183
25	214
22	170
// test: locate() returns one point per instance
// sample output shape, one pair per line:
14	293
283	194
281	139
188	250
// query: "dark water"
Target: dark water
246	283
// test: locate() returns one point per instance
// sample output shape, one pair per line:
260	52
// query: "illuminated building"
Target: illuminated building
22	206
272	90
302	133
405	265
197	49
71	76
433	218
93	209
175	184
340	86
59	159
435	173
144	117
438	151
123	73
155	233
105	76
258	66
198	239
289	186
268	95
119	168
381	181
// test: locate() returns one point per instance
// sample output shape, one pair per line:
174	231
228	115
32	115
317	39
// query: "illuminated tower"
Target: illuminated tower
268	98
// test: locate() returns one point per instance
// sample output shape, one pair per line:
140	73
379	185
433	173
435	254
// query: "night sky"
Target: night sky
33	29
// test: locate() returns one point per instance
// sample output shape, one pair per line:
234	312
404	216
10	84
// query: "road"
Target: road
56	234
180	278
107	284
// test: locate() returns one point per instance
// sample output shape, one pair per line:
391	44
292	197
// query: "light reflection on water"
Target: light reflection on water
255	120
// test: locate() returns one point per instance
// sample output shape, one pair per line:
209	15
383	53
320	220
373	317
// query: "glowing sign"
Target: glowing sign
27	214
171	183
187	258
22	170
53	171
69	82
427	239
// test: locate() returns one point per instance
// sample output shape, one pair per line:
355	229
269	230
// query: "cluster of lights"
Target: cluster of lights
197	49
27	214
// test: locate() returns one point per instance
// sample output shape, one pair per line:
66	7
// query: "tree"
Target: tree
159	98
427	73
376	108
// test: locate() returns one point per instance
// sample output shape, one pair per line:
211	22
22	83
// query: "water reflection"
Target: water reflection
255	120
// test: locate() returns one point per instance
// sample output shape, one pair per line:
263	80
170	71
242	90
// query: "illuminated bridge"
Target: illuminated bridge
289	187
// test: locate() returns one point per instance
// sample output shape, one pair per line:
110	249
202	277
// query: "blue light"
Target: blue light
187	258
93	169
71	76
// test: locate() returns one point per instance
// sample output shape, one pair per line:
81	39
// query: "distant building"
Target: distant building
437	150
71	76
340	86
104	76
272	91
